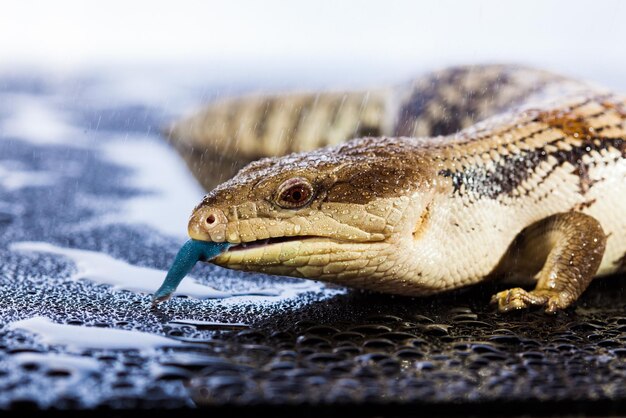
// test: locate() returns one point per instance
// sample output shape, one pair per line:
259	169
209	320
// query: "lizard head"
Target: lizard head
338	214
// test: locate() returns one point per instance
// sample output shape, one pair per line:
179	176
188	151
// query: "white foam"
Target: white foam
83	337
286	291
104	269
36	120
209	324
13	177
172	193
60	361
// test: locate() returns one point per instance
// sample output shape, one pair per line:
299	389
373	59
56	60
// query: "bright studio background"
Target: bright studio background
322	42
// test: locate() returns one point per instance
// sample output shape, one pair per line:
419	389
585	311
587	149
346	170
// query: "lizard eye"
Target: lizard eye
294	193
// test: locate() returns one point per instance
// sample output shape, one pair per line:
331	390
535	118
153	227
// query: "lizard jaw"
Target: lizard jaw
307	257
367	265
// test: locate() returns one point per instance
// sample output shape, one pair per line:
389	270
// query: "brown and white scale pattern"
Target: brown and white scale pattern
529	184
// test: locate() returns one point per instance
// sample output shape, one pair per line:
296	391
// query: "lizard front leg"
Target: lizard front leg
573	245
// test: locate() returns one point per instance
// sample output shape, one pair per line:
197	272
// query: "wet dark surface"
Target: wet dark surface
322	347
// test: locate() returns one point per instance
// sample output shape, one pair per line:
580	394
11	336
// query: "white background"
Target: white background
330	40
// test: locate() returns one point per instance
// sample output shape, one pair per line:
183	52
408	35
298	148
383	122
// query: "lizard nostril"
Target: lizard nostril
208	224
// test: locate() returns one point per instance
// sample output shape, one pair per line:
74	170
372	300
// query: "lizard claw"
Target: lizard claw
517	298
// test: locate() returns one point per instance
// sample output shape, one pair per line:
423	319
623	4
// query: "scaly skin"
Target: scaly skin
535	193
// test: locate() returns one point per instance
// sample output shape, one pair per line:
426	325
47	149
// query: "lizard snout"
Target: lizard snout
208	224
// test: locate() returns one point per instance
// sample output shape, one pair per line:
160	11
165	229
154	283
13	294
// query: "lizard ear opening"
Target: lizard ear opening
421	223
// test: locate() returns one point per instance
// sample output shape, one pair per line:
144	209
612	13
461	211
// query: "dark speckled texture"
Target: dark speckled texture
335	351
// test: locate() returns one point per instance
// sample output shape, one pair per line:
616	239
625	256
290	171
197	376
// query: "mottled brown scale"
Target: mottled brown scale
618	106
579	207
567	121
356	172
529	184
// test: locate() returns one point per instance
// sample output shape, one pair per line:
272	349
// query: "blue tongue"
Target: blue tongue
191	252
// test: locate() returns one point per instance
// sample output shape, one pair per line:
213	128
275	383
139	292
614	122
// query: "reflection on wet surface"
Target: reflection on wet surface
82	251
77	337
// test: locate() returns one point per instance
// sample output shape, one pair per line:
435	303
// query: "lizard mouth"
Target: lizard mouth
267	242
277	255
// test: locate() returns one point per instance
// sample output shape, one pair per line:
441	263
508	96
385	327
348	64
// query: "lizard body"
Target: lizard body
529	184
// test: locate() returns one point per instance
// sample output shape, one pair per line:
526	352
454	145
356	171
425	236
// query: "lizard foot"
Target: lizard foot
518	298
